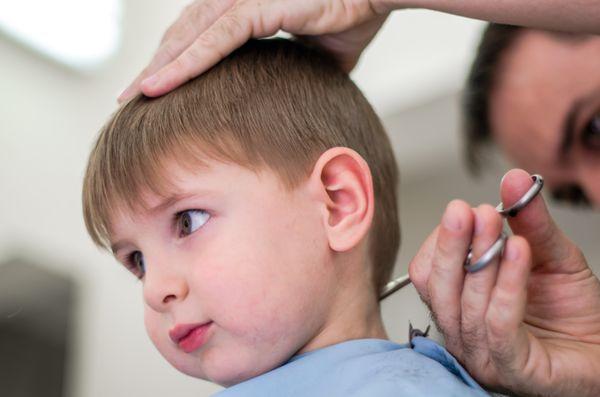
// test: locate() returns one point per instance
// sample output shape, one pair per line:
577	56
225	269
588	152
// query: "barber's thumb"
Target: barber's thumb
548	243
419	268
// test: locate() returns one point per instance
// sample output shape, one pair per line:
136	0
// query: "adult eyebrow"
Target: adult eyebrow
568	131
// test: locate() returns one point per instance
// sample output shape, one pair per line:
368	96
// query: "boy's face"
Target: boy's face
251	262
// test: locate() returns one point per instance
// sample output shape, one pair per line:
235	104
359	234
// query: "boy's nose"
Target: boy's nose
163	287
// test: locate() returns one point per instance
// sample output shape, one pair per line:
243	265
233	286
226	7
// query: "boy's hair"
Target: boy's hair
272	103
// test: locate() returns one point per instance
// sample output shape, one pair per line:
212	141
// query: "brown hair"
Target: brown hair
273	103
496	40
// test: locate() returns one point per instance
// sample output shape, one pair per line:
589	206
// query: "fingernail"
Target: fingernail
123	95
451	220
150	81
503	178
511	252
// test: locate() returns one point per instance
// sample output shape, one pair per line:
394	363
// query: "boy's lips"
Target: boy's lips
189	337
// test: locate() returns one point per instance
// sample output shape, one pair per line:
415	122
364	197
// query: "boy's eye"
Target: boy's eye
192	220
137	265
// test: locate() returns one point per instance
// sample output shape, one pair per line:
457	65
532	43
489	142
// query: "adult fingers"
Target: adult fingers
477	287
194	19
507	338
420	266
446	279
548	243
226	34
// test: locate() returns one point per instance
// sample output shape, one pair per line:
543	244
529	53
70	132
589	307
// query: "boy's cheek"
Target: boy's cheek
152	324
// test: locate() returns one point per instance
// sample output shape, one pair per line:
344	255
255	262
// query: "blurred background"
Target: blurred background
71	320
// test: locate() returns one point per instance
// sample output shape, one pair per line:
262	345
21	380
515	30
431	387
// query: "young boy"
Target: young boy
257	204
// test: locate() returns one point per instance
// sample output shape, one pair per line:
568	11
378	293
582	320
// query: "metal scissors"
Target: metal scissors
495	250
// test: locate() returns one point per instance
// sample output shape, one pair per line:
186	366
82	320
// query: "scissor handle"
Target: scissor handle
487	257
534	190
496	248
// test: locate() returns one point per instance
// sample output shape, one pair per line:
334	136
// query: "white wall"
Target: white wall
49	116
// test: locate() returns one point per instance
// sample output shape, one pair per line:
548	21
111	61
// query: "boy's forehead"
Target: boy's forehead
179	182
218	181
174	184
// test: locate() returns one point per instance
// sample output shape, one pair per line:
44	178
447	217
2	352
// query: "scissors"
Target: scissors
495	250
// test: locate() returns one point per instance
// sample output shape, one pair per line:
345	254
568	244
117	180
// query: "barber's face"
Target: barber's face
545	111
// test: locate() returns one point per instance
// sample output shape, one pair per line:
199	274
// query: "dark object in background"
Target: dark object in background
35	320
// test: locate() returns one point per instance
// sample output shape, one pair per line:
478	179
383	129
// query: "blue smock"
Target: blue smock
365	368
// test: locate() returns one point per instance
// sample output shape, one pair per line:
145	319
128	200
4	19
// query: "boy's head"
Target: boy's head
244	201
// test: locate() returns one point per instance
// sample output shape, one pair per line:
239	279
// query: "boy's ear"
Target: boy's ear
342	181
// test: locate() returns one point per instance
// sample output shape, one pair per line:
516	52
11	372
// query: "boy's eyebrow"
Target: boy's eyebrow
117	246
169	201
161	206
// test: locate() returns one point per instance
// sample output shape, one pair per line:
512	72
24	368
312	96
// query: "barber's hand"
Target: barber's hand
529	325
208	30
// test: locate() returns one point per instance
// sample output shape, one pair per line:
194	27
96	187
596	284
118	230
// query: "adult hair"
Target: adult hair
495	41
273	104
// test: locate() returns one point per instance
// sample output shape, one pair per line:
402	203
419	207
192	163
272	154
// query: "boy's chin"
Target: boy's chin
223	368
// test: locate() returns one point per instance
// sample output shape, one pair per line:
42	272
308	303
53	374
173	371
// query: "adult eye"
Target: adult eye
571	194
192	220
591	133
136	264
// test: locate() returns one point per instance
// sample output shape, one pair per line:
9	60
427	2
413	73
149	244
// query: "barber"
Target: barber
536	94
530	325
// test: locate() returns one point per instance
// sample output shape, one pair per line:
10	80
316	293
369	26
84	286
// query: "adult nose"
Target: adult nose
164	285
590	181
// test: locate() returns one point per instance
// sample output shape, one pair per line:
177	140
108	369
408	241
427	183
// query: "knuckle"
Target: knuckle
180	65
207	40
205	9
451	251
496	326
441	270
189	8
165	53
438	278
503	300
186	63
471	331
169	33
468	307
194	15
145	72
417	274
575	253
444	249
479	285
234	26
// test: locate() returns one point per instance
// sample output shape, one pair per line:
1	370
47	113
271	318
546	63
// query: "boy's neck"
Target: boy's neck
355	314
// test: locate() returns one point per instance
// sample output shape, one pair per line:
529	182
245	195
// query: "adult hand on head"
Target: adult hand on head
530	324
208	30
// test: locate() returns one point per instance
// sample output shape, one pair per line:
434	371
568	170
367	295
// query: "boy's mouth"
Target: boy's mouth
189	337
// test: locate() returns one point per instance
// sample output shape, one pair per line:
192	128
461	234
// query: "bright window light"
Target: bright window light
77	33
